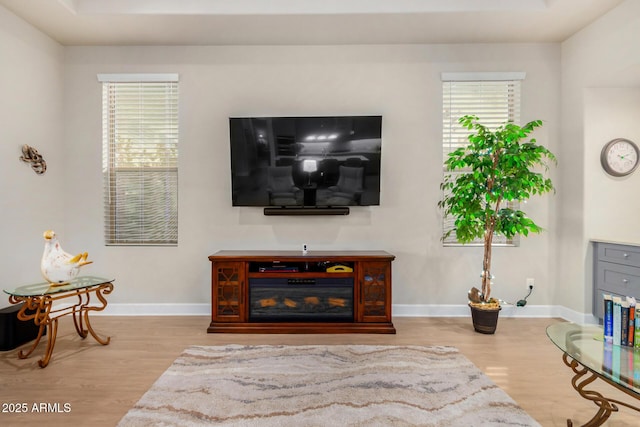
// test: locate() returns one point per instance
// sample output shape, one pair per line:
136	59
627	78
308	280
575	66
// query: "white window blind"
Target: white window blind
495	99
140	159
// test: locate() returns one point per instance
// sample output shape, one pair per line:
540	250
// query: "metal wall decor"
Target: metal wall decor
31	155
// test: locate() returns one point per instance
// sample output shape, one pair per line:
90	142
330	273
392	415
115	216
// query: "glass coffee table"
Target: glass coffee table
590	358
72	298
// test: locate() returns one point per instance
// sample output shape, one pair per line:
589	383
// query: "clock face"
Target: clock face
620	157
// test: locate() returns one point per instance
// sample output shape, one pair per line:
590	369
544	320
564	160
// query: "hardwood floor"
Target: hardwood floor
99	384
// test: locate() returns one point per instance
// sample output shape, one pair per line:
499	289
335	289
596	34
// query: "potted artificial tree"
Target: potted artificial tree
495	168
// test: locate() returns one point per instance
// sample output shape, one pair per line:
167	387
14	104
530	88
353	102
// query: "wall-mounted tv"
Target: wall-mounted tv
305	161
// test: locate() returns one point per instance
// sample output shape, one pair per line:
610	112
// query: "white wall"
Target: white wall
600	58
402	83
30	113
614	202
51	100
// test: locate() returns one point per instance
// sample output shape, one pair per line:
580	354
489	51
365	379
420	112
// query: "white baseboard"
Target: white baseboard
430	310
416	310
576	317
167	309
399	310
542	311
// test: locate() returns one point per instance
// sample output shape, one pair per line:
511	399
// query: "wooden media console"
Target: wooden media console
292	292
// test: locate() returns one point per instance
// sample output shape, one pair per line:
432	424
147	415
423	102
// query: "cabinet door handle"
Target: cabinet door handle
625	255
625	281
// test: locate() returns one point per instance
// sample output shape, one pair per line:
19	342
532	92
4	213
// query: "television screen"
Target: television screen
305	161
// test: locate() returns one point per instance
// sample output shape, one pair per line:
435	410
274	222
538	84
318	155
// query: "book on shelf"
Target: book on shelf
608	318
617	320
632	321
624	322
637	329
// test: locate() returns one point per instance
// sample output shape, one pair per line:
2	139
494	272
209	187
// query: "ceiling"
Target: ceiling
302	22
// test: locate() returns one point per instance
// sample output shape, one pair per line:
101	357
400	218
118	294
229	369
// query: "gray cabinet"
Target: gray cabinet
616	272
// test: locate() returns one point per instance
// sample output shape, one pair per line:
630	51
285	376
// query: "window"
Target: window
140	158
494	98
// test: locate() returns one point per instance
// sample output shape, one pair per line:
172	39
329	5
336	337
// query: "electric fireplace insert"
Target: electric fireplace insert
323	299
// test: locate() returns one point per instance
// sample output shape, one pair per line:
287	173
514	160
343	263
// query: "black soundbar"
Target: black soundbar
312	210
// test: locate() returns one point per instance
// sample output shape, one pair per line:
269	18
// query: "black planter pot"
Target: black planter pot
484	321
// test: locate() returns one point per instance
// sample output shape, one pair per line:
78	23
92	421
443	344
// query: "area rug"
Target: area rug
320	385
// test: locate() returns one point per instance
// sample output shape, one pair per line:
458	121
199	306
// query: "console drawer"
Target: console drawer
619	279
619	254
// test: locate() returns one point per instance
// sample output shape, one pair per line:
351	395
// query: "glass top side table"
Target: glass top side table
74	298
590	358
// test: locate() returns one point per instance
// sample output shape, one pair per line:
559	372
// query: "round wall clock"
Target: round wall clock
620	157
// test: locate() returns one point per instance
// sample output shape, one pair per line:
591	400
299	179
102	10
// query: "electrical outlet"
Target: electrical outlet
530	282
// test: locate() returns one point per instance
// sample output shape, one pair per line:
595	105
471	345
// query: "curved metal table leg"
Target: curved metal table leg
40	308
581	379
22	354
51	342
41	317
104	289
77	317
103	341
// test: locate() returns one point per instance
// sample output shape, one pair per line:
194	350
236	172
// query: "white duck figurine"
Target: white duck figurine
57	266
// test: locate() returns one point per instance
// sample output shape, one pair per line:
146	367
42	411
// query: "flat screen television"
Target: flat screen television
305	161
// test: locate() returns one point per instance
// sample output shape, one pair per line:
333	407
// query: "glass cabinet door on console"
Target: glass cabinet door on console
228	292
375	292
